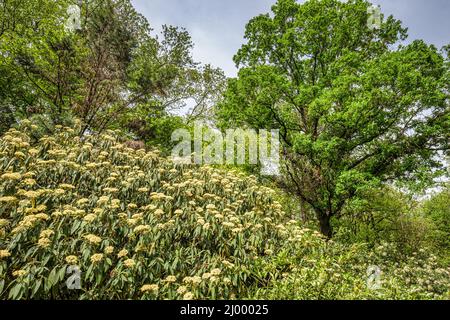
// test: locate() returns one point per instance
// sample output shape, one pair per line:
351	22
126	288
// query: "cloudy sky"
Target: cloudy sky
217	26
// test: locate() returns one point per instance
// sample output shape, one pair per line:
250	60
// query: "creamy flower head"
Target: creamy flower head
122	215
188	296
3	223
137	216
42	216
228	264
96	258
47	233
206	226
149	288
129	263
31	194
66	186
109	249
111	190
71	260
122	253
132	222
132	206
33	151
216	271
90	217
157	196
29	182
206	275
8	199
11	176
59	191
142	229
93	239
82	201
228	224
195	280
19	273
115	203
170	279
182	289
4	254
44	242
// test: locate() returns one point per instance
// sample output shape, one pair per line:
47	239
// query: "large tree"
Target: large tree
112	71
355	106
38	62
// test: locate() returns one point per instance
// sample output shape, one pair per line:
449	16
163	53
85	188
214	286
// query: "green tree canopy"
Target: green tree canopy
355	107
111	71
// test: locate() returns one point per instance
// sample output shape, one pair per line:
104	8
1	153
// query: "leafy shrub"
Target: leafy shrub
438	210
131	220
315	270
387	215
139	226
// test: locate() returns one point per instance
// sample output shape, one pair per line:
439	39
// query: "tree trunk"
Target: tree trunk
303	213
325	226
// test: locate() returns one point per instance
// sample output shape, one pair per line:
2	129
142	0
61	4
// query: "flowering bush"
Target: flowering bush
136	224
336	271
129	224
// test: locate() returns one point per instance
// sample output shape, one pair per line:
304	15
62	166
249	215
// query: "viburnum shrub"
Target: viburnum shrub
308	268
135	224
130	224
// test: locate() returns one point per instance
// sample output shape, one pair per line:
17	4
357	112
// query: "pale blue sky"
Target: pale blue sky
217	26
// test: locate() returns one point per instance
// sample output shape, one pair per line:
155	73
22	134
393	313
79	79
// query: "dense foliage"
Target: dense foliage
138	226
111	71
127	217
354	106
91	208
